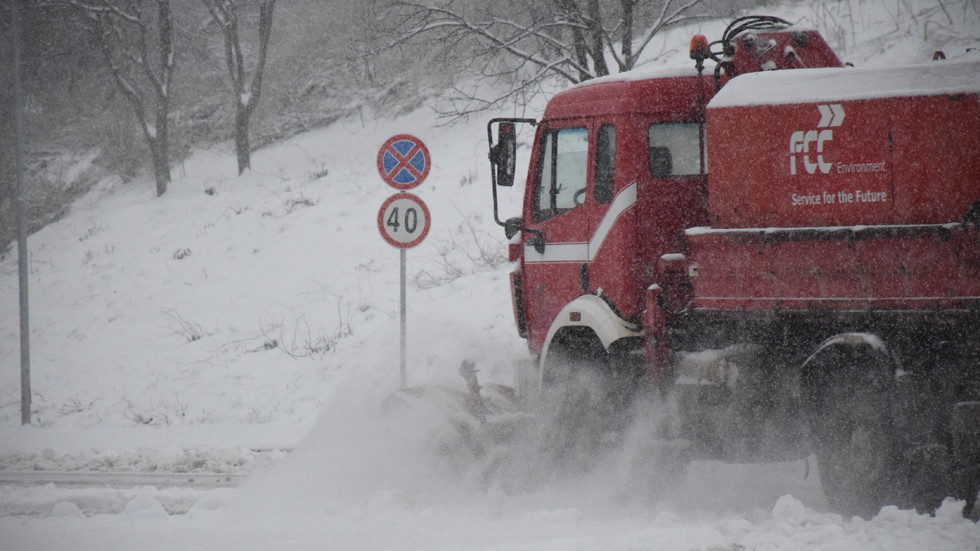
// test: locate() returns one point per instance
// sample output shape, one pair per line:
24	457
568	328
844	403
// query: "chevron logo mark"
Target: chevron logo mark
830	115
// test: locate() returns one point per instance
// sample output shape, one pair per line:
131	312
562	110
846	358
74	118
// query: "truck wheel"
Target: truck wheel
575	410
848	388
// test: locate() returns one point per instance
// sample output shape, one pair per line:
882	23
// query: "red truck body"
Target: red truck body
765	245
836	193
851	153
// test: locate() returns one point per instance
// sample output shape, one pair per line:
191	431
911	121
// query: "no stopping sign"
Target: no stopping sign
403	161
403	220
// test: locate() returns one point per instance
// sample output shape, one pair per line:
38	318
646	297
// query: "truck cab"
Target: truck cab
616	173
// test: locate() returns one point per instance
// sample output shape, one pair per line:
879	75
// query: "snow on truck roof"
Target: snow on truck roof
849	83
648	73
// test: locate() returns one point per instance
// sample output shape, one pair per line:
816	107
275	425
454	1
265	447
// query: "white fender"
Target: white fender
594	313
585	311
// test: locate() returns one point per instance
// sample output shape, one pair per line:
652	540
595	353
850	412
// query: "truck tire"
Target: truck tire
848	389
571	405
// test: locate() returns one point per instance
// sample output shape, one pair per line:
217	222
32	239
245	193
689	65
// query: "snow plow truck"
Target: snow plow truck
785	246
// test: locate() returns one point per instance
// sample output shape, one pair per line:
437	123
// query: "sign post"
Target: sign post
403	220
22	276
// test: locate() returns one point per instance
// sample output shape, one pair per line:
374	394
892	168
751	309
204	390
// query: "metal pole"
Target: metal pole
402	313
25	326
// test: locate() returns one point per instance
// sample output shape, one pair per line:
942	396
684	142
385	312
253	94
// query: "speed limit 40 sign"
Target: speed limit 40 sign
403	220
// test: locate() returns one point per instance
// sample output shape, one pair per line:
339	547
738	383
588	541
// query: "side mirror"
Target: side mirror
503	155
503	159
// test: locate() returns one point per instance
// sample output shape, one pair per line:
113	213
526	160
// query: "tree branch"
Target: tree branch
664	20
441	19
265	32
124	37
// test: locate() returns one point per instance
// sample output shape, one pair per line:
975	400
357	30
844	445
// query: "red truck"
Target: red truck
784	246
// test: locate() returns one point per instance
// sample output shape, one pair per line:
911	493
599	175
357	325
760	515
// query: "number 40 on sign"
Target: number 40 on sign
403	220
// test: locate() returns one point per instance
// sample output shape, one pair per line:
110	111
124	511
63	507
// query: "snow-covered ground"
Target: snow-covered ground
249	326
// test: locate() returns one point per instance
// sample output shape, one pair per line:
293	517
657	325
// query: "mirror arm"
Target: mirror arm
496	214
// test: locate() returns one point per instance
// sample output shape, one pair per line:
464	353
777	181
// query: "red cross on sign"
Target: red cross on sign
403	162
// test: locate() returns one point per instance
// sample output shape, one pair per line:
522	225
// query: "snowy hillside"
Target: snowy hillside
240	300
249	325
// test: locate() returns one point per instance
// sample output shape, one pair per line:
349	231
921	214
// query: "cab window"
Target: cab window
673	149
562	172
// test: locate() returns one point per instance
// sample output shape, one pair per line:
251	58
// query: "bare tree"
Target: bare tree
226	14
138	47
568	39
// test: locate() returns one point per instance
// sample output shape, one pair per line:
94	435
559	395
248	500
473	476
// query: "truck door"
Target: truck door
559	205
673	193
